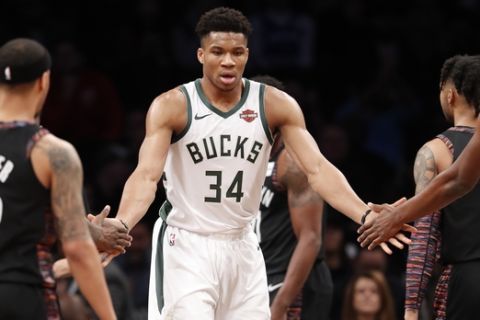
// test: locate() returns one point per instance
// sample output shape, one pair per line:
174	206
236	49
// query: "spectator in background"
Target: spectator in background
376	260
368	297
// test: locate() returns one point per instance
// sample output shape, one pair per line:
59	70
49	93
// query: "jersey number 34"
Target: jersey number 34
233	191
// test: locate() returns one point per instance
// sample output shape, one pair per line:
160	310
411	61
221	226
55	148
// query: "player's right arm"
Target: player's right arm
425	247
167	114
448	186
58	166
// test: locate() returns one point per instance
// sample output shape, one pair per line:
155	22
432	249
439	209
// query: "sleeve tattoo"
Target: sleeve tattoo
424	169
66	196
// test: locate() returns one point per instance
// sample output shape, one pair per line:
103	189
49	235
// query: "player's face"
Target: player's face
224	56
366	298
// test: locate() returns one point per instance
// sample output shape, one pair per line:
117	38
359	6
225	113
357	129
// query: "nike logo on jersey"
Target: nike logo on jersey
197	117
273	287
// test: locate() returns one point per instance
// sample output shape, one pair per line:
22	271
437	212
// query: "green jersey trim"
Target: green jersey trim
263	117
222	114
175	138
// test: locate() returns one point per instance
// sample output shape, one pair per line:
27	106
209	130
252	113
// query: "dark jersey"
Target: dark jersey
26	221
460	225
274	227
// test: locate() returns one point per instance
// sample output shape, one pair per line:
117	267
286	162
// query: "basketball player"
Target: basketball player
40	184
452	235
212	137
448	186
290	228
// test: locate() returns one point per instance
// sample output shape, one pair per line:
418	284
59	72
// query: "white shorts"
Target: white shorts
211	277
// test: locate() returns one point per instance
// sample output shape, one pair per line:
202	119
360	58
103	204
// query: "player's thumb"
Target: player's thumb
375	207
102	215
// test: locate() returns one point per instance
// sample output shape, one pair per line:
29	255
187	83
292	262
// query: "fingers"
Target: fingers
408	228
374	244
377	207
102	215
366	239
396	243
363	227
90	217
403	238
118	249
385	248
106	258
399	201
123	243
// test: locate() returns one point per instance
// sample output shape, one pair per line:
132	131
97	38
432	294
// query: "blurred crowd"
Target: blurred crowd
364	72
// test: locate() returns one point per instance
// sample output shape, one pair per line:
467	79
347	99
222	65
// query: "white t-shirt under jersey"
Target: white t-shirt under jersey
216	167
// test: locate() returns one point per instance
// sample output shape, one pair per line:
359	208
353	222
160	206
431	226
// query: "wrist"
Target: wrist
124	224
364	216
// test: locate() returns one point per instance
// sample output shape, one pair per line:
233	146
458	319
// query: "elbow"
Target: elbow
311	240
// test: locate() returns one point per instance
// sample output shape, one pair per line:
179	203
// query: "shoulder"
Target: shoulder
434	154
280	107
168	108
57	150
170	101
441	153
51	156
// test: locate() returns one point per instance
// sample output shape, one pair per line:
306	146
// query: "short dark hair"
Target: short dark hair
223	19
464	72
269	80
23	60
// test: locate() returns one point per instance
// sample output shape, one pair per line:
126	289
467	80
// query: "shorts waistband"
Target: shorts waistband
235	234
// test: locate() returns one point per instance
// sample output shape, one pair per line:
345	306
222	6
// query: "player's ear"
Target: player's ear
450	96
43	82
200	55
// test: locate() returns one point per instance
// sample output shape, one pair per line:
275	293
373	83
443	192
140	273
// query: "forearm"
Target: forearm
334	188
298	270
138	195
86	268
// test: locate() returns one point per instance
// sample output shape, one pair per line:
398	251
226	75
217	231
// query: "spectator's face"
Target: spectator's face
224	56
366	298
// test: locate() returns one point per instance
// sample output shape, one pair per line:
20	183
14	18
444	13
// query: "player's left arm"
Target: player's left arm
284	113
306	211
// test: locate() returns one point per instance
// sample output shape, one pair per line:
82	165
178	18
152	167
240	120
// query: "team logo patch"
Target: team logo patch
248	115
171	241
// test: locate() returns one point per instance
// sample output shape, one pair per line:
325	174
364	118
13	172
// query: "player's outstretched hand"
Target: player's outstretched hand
110	234
384	227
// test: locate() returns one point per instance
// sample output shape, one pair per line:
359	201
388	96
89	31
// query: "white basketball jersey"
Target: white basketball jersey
216	167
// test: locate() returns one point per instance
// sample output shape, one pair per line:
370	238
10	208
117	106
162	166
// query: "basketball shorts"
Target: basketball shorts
26	302
463	291
206	277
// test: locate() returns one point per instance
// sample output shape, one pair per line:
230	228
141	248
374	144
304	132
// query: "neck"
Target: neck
222	99
366	317
465	117
17	107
